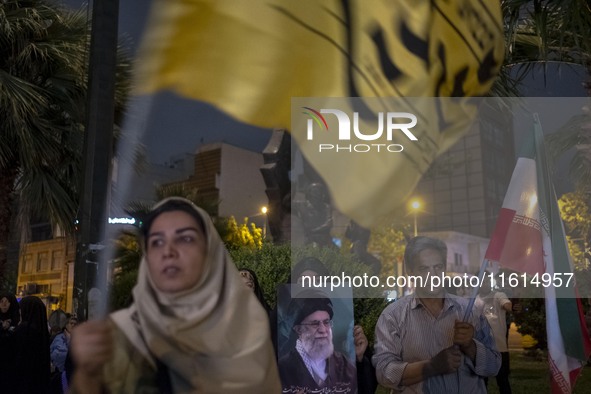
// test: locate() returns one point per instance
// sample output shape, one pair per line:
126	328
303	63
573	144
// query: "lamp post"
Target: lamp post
415	205
264	212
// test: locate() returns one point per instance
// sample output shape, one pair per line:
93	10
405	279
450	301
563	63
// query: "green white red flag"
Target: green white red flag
529	237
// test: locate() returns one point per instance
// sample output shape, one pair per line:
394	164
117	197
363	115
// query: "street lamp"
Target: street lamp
415	206
264	212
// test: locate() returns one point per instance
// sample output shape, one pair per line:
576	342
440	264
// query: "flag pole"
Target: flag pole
90	268
475	289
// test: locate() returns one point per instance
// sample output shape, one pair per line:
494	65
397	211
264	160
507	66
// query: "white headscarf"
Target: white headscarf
214	338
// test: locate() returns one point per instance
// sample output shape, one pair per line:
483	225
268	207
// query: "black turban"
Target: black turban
307	264
308	302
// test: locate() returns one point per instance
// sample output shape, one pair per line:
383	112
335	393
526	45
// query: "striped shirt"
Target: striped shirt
407	332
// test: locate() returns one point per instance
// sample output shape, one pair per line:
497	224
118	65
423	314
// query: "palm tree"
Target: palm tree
546	30
43	56
575	136
543	31
539	32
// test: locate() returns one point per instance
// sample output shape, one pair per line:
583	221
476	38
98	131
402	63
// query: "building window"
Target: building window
41	232
56	288
57	260
43	261
30	288
43	289
458	260
27	264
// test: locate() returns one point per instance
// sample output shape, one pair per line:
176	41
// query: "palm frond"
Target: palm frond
547	30
43	193
43	73
575	136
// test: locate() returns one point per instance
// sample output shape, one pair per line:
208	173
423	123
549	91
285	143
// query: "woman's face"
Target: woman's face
4	305
71	324
247	279
176	251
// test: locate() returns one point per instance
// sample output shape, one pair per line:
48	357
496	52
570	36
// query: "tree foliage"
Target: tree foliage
388	242
546	30
128	254
245	235
575	211
574	137
271	263
532	320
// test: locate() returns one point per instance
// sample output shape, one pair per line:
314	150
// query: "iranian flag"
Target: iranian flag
529	237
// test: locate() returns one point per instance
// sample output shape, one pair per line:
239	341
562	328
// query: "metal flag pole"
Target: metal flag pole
468	310
90	270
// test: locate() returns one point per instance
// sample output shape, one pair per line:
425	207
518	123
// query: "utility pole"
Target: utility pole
90	270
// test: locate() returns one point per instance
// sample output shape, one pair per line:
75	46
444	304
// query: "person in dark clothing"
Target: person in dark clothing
9	319
31	338
251	281
9	313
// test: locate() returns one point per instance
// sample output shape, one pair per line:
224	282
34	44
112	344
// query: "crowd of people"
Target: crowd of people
198	324
24	340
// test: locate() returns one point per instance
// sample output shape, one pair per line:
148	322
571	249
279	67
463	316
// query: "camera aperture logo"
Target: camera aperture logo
396	124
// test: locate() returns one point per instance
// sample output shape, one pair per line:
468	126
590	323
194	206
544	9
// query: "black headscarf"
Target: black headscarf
8	349
34	313
13	312
258	292
32	341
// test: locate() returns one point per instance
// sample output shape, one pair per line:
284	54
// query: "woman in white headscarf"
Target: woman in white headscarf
193	326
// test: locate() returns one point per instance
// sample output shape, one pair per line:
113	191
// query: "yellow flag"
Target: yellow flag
249	58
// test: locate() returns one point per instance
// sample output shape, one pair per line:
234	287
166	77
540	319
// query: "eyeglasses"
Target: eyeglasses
315	324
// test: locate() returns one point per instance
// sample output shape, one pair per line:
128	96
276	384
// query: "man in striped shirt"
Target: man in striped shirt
422	344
